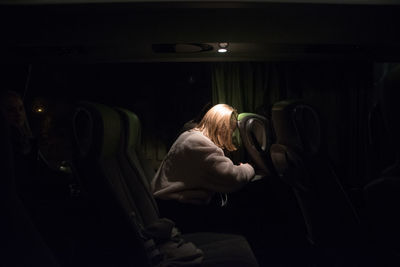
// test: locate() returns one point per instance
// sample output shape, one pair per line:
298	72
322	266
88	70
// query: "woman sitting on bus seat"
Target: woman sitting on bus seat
196	168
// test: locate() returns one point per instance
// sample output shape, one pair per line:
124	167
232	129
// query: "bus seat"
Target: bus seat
256	137
382	195
282	218
329	216
140	184
381	151
98	134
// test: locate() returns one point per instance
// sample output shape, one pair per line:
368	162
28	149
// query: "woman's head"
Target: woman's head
218	124
13	109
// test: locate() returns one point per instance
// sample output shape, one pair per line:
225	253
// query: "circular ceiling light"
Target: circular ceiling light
183	48
188	48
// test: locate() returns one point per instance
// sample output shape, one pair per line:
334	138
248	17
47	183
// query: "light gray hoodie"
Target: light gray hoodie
195	168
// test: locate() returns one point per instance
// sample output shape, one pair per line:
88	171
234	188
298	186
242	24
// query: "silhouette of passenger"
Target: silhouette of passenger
196	168
42	190
24	145
13	110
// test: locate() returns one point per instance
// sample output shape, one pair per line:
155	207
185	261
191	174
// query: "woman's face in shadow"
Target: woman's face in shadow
14	111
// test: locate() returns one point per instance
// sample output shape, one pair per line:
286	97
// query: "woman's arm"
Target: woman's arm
224	176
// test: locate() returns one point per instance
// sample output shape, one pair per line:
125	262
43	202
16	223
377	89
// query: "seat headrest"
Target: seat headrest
133	127
97	130
256	137
254	129
297	125
389	104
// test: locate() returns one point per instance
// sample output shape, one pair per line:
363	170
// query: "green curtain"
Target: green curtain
246	86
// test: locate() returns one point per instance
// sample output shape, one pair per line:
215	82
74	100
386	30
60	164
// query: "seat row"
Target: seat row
115	175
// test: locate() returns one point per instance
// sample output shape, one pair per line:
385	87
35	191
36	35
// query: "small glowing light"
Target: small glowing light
38	107
222	50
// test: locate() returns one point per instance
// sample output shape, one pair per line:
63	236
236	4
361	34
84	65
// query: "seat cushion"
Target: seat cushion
223	249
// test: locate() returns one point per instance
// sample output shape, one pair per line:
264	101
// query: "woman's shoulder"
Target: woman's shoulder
196	137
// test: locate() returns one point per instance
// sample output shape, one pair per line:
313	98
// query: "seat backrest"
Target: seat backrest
378	143
256	137
382	195
99	134
329	215
139	184
389	96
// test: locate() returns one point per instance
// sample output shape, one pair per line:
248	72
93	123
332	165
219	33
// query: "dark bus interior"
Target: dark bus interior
108	85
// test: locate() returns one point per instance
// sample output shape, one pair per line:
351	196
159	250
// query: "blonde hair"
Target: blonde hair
218	124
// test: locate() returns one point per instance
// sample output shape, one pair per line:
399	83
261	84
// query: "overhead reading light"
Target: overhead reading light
223	47
39	106
38	109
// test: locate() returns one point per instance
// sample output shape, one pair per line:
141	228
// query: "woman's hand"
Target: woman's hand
197	197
